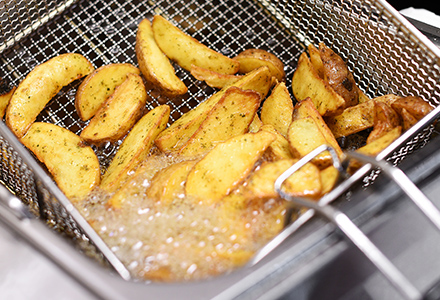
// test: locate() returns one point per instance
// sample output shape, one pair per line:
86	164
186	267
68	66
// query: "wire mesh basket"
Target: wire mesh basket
384	52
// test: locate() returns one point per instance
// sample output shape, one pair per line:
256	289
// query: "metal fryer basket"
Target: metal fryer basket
384	52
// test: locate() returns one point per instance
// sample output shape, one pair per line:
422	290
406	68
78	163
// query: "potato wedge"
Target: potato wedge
4	101
98	86
225	166
135	147
213	79
73	165
279	148
356	118
251	59
329	179
187	51
307	83
277	109
119	113
306	182
375	147
304	136
416	106
175	136
168	183
256	124
408	120
231	116
315	59
338	76
306	109
153	63
40	85
385	119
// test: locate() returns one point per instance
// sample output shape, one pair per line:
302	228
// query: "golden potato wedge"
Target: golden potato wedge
251	59
256	124
416	106
385	119
315	59
4	101
135	147
362	96
307	83
231	116
356	118
73	165
306	182
225	166
98	86
119	113
175	136
153	63
375	147
213	79
187	51
277	109
338	76
306	109
40	85
329	179
279	148
304	136
168	183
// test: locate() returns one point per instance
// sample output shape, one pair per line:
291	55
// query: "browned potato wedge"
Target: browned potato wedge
338	76
135	147
119	113
304	136
153	63
98	86
213	79
251	59
40	86
225	166
73	165
231	116
375	147
307	83
168	183
385	119
4	101
357	118
408	120
277	109
416	106
306	182
280	148
306	109
175	136
187	51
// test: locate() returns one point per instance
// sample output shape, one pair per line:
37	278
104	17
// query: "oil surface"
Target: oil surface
182	240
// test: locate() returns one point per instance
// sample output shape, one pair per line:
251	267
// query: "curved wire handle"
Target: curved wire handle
385	266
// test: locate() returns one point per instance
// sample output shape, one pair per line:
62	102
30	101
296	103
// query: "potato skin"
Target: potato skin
40	86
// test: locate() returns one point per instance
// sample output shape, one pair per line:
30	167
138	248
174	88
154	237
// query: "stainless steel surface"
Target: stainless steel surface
390	57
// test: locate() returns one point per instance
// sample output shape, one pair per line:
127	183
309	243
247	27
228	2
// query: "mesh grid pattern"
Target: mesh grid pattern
382	55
